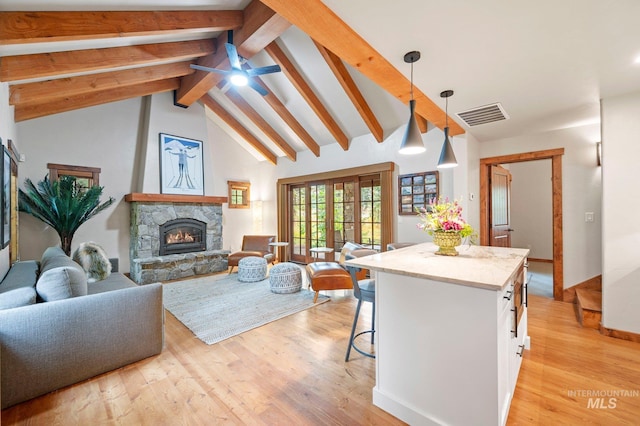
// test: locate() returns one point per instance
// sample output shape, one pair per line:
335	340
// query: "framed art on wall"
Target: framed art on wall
6	198
181	165
416	191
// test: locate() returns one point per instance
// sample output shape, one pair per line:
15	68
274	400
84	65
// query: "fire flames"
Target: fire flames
180	237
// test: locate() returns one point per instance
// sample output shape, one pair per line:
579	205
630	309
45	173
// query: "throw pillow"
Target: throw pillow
93	260
62	282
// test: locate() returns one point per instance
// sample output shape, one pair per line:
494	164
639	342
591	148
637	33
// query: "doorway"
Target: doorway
555	155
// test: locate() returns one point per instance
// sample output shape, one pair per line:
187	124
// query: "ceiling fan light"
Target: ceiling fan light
238	79
412	141
447	156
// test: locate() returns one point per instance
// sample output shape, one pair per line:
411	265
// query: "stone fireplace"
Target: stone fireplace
175	236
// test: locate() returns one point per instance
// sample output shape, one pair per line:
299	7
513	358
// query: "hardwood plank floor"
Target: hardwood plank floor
292	371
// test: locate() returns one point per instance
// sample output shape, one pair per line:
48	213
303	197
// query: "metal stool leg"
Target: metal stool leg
373	321
353	330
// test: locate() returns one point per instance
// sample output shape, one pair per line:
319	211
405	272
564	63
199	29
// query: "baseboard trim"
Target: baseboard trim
533	259
569	294
619	334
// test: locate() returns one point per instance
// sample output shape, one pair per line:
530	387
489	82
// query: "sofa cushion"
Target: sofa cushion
61	278
17	297
21	274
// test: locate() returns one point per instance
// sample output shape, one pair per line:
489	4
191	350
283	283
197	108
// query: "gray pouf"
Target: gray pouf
285	278
251	269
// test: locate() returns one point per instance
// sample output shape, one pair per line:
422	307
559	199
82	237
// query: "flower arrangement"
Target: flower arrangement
444	215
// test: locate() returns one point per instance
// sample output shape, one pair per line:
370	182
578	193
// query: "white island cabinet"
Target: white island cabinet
450	332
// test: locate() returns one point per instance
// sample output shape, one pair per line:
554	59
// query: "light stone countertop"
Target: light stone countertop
476	266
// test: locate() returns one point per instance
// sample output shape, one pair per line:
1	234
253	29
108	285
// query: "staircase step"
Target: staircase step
589	307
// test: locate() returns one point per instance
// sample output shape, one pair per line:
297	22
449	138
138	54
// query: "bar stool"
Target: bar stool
365	291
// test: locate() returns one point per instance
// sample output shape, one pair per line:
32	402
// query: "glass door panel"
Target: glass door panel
318	215
370	212
343	213
298	223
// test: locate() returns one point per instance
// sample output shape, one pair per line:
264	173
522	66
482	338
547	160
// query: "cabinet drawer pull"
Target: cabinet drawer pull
508	295
520	350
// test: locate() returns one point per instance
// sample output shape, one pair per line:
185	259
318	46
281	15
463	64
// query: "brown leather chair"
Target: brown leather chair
253	245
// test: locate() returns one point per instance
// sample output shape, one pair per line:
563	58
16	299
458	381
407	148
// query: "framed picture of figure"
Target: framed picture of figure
181	165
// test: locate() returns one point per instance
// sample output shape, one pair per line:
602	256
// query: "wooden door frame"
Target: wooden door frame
555	155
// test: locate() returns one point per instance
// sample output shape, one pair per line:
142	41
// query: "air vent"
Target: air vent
483	115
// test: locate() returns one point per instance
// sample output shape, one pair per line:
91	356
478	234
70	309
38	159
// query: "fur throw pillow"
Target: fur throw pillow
93	260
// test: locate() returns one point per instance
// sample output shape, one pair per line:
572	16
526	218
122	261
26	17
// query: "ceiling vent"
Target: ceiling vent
483	115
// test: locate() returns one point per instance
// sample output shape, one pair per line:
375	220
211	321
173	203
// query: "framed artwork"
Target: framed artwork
416	191
6	198
181	165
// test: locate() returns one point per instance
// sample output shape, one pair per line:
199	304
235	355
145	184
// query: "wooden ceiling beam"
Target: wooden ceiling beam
307	93
353	92
261	26
59	89
423	124
325	27
261	123
33	27
70	103
41	65
288	118
217	109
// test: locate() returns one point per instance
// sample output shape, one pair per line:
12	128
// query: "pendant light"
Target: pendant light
412	141
447	157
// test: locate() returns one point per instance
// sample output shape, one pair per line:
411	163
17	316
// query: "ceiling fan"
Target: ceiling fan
237	75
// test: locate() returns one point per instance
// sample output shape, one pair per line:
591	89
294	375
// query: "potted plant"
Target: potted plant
63	204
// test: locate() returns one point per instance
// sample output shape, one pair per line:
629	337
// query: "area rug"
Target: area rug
215	308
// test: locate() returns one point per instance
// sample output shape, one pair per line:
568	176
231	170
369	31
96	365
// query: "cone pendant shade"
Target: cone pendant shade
412	141
447	157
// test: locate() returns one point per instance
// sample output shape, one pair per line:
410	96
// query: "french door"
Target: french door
327	210
332	212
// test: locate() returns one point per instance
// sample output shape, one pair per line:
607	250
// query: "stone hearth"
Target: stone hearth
149	212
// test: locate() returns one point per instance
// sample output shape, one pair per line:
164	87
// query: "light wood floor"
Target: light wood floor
292	371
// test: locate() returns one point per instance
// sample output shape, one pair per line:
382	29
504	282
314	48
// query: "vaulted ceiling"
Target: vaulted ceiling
548	64
57	61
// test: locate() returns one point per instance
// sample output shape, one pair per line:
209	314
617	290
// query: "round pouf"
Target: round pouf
285	278
251	269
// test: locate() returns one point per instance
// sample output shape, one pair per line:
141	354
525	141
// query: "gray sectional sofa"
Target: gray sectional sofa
56	329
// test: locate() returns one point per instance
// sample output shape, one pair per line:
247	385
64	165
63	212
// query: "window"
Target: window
239	193
86	177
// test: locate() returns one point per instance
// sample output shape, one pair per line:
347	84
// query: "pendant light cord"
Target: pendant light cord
446	112
411	81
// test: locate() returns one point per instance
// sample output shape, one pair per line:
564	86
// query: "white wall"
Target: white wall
581	188
621	206
103	136
7	131
531	208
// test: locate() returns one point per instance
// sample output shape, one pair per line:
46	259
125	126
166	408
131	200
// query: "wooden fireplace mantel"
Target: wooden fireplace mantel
173	198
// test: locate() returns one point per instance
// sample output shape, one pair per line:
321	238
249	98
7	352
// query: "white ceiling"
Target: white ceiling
547	62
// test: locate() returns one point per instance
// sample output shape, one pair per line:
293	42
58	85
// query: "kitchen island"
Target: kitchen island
450	332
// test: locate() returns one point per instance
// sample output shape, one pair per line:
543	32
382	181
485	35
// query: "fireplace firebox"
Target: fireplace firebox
182	236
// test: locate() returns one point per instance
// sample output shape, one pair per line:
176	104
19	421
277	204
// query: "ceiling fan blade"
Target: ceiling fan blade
263	70
255	86
232	53
201	68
